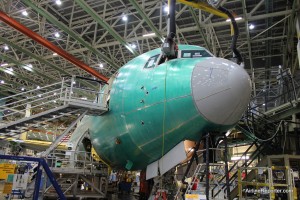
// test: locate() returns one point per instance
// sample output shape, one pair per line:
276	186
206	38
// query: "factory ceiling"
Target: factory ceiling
106	34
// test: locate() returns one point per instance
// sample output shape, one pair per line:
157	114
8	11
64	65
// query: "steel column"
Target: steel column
38	178
226	167
207	166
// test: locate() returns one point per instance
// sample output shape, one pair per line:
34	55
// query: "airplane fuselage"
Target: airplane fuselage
155	106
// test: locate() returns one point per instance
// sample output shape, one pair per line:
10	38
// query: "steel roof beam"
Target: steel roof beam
36	57
42	74
36	37
105	25
199	28
65	28
13	73
147	19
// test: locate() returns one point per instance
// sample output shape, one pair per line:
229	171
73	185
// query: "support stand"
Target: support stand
226	167
42	163
207	165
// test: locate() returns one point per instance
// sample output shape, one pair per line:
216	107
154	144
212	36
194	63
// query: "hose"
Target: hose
235	34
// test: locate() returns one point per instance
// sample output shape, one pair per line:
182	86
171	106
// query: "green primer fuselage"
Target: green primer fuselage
151	110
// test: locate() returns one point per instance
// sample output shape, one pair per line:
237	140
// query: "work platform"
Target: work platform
71	96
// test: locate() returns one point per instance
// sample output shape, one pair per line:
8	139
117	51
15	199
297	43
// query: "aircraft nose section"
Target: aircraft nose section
221	90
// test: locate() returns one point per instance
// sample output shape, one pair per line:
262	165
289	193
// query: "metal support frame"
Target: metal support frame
207	165
37	182
58	139
226	167
42	163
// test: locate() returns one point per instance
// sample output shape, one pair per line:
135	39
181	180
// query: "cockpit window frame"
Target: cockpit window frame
183	51
155	63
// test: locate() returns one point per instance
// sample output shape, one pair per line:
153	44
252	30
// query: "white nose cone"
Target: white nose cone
221	90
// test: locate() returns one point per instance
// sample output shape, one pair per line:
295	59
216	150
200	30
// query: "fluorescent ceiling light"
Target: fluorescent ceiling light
133	46
4	64
25	13
149	34
101	65
9	71
166	9
251	26
58	2
22	89
236	19
239	157
38	87
54	54
57	34
6	47
129	48
28	67
124	18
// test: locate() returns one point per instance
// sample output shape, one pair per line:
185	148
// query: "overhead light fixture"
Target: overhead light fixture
129	48
6	47
3	64
149	34
2	82
38	87
28	67
124	18
58	2
133	46
57	35
54	54
25	13
101	65
166	9
251	26
22	89
236	19
9	71
239	157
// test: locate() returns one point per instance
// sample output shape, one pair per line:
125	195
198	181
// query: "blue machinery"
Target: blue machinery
41	162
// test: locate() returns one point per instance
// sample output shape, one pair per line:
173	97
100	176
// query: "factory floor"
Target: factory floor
130	196
122	197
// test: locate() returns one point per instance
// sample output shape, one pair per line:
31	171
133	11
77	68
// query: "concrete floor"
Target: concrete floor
122	197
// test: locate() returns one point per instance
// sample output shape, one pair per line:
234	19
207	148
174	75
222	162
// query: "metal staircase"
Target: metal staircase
70	96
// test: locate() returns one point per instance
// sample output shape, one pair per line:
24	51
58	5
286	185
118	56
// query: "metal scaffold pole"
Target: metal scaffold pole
207	165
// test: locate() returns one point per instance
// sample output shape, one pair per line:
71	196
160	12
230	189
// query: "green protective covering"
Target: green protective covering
151	110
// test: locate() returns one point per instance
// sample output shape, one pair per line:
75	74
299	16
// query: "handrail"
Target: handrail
233	177
232	167
54	95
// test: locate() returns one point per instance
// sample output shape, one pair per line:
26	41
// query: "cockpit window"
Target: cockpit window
195	53
152	61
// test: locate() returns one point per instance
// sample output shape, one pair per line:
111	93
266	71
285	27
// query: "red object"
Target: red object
161	193
144	188
36	37
195	185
